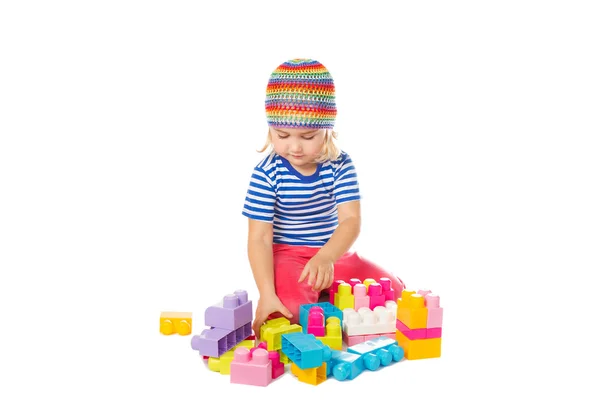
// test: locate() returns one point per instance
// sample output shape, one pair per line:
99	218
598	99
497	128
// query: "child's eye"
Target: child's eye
310	138
283	137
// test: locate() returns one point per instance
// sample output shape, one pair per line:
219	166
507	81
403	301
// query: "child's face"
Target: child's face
299	146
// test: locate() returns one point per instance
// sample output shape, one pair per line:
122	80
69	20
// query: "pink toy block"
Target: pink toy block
388	292
352	340
277	367
360	296
376	296
251	369
433	333
391	335
411	334
354	281
435	313
316	321
333	290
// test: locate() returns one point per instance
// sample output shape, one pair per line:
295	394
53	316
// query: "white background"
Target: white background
128	132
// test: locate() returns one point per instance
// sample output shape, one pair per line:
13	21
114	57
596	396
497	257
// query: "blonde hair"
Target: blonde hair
329	152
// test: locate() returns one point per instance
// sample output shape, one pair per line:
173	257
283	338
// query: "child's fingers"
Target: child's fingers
319	280
283	310
312	275
305	272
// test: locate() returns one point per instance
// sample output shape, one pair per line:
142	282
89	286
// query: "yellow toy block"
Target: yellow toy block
175	322
223	364
367	282
313	376
272	330
344	298
411	310
333	333
420	348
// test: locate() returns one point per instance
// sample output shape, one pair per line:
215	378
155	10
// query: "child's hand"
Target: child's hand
267	305
319	270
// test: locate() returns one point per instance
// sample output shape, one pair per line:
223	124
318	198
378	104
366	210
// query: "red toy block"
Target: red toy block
388	292
411	334
376	296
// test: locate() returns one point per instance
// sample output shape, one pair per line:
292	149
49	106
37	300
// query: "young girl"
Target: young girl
303	201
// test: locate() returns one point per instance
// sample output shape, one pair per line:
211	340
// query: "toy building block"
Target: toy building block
376	296
251	369
361	298
175	322
388	291
316	322
381	351
329	310
222	364
354	281
313	376
333	290
370	322
434	312
345	365
352	340
367	282
233	312
214	342
411	310
343	297
272	330
412	334
277	366
333	334
421	348
305	350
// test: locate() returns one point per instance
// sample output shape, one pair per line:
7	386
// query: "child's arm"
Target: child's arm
320	268
260	254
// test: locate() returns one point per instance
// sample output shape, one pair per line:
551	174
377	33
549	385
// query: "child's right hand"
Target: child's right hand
268	305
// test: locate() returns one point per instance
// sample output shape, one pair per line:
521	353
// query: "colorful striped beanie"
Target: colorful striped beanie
301	94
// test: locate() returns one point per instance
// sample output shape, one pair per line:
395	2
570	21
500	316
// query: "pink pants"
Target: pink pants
289	261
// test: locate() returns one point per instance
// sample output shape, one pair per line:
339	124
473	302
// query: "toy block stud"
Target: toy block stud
376	296
316	321
333	333
354	281
233	312
344	297
367	282
175	322
361	299
333	290
435	313
381	351
388	292
370	322
411	310
346	366
251	369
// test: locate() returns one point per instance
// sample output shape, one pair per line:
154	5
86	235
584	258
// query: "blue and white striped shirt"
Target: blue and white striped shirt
302	209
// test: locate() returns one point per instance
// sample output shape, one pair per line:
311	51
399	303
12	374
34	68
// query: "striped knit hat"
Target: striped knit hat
301	94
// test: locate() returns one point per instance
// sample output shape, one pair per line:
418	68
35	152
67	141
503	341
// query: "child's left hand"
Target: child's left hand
319	270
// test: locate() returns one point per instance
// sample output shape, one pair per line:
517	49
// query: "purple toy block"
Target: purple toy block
214	342
388	292
376	296
316	322
233	312
360	296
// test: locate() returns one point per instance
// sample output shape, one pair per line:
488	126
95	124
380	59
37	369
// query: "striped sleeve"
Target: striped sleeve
345	181
260	198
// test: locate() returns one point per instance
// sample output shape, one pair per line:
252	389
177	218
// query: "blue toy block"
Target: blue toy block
232	312
329	310
305	350
346	366
378	352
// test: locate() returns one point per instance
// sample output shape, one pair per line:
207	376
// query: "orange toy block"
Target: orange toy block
420	348
411	310
313	376
175	322
333	334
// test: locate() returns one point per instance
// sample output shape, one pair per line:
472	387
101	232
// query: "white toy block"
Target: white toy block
370	322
